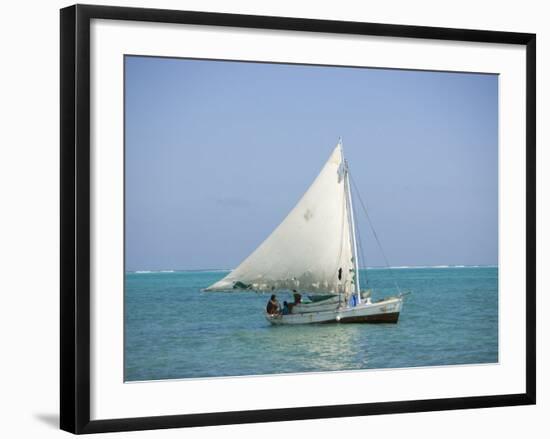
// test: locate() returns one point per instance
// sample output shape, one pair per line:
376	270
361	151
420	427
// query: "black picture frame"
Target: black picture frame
75	217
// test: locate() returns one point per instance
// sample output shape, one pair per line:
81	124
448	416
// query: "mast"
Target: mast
351	221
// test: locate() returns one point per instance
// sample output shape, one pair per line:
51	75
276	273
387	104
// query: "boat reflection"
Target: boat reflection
318	347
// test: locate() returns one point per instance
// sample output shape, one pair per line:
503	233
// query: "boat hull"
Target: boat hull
391	317
385	311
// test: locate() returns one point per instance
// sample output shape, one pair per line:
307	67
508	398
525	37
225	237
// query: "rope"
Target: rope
392	274
361	252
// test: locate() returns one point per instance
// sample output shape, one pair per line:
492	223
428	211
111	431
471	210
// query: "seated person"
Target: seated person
273	305
286	309
297	300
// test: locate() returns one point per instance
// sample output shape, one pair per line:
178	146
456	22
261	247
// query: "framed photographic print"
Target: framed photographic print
274	218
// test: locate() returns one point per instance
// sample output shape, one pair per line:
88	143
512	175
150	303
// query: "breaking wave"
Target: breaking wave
416	267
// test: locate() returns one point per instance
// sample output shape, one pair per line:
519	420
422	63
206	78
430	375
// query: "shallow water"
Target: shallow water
172	330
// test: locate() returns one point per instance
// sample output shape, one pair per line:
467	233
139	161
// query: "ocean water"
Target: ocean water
173	330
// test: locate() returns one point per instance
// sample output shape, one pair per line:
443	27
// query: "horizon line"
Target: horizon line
374	267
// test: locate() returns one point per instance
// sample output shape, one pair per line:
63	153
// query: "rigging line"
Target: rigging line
361	252
355	283
374	232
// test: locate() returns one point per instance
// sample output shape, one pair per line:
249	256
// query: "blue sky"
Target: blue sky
218	152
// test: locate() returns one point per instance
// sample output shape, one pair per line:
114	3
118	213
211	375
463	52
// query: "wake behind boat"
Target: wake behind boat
313	253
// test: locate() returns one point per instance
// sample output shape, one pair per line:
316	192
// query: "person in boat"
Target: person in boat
273	305
297	300
286	310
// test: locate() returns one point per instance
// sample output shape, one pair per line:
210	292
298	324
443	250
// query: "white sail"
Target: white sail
308	249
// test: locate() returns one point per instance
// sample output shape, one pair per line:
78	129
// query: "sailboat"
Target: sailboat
313	254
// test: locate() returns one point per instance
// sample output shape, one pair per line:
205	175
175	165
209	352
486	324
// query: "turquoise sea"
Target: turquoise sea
173	330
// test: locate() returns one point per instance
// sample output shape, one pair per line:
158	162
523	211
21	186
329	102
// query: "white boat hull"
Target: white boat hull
385	311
